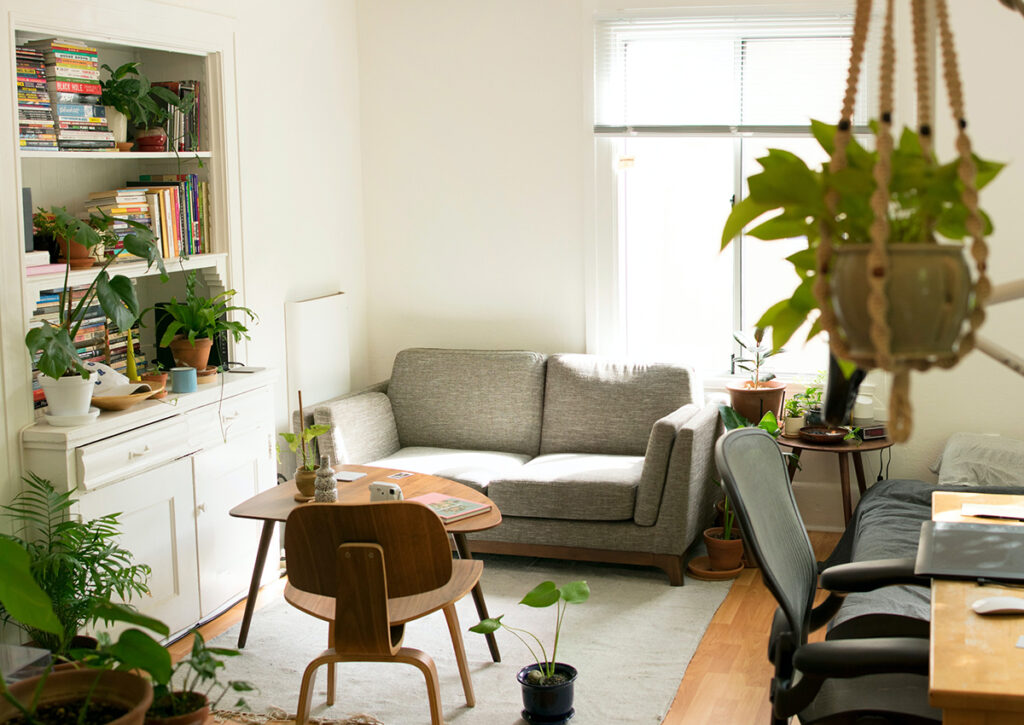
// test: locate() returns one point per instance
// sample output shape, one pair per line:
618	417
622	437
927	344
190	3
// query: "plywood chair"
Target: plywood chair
367	570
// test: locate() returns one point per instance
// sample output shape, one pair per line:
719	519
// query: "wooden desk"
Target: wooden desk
977	670
840	449
275	504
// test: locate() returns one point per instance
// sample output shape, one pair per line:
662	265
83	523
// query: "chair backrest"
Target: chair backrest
416	550
755	477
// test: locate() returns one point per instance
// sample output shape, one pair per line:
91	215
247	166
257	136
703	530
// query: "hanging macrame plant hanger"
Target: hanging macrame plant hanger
868	292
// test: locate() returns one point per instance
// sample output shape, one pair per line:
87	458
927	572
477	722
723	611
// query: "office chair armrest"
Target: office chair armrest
856	657
866	576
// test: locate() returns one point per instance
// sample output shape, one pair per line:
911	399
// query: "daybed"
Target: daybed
587	458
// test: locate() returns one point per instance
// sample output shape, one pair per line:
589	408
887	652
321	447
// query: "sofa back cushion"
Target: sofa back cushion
600	405
476	399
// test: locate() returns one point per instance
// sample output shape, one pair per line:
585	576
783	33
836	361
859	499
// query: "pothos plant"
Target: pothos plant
543	595
130	92
116	295
925	207
304	445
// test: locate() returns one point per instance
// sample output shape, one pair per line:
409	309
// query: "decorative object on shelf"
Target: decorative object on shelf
304	446
157	379
148	106
183	380
128	399
69	251
69	395
116	296
824	434
194	323
326	487
761	393
124	145
877	225
77	563
548	684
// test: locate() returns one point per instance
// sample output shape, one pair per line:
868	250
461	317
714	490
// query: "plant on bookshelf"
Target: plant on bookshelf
59	361
146	105
193	324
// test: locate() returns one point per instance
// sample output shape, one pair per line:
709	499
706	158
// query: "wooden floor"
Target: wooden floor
727	679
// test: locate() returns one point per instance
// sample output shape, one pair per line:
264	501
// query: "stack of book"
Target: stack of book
35	117
117	350
121	204
183	211
73	80
183	131
36	263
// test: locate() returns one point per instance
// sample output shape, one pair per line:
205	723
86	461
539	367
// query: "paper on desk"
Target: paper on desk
992	511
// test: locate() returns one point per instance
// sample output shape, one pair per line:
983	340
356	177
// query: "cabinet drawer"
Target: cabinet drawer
230	418
131	453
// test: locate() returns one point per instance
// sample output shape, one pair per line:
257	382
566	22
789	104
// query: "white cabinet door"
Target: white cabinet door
158	527
225	476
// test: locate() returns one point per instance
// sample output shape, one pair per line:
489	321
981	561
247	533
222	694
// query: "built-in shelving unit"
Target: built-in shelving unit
106	156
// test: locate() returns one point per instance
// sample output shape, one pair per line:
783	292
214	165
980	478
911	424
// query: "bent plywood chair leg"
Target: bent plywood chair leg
422	661
331	669
452	617
308	680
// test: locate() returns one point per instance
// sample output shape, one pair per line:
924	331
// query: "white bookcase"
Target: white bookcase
174	488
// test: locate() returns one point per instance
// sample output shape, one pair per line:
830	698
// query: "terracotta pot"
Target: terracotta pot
305	481
78	254
724	555
196	717
929	287
191	356
124	689
156	380
753	403
151	139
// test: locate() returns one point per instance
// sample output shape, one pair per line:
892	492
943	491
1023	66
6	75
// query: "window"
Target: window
683	108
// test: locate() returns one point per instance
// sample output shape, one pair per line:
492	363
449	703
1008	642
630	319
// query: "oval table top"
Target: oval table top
276	503
851	446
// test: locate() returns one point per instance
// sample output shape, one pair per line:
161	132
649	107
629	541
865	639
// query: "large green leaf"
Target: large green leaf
731	419
575	592
57	351
113	612
487	626
783	226
542	595
743	212
141	245
118	300
786	179
135	649
20	595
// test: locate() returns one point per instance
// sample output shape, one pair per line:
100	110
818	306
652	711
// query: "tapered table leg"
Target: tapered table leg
858	467
462	546
844	481
257	575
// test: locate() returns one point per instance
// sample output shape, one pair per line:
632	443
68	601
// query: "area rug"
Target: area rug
631	643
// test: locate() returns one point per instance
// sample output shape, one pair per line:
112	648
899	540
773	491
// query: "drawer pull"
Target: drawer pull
139	454
232	416
201	508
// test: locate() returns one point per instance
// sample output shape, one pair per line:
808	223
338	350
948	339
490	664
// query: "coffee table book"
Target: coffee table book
451	508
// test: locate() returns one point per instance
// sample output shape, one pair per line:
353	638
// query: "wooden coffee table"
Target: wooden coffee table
275	504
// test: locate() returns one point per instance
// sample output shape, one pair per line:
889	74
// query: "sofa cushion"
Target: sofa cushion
475	469
468	399
362	428
600	405
570	486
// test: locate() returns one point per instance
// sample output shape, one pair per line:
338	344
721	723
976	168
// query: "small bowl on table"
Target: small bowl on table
823	434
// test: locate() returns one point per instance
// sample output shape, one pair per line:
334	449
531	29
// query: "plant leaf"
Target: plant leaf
543	595
137	650
486	626
20	595
732	419
118	300
575	592
743	212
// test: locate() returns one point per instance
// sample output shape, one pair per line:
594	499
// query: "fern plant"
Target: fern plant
202	316
76	563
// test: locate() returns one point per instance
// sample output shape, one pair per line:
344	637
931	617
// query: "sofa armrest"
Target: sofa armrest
362	427
689	493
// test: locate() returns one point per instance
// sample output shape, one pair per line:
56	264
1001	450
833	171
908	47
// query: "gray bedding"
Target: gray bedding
886	524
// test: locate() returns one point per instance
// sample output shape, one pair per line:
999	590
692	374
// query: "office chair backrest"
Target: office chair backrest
417	553
755	477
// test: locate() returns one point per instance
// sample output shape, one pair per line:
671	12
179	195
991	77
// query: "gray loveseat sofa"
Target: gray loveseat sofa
587	458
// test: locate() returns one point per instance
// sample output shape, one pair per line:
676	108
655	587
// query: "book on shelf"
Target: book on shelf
35	258
184	131
40	269
72	73
451	508
35	115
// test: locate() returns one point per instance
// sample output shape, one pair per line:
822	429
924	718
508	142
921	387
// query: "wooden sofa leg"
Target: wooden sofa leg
673	566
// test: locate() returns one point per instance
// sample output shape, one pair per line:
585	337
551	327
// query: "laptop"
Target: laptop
952	550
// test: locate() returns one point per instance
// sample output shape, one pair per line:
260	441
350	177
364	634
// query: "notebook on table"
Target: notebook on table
451	508
953	550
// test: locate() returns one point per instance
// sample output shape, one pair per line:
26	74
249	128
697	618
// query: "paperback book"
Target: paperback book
451	508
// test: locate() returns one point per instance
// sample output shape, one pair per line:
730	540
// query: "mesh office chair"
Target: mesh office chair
876	680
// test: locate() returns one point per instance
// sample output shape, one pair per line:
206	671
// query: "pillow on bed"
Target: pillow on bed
977	459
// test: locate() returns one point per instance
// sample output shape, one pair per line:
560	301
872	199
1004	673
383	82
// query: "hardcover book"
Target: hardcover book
451	508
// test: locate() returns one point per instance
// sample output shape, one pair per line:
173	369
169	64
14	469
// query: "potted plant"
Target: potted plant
194	322
761	393
925	214
66	381
156	376
82	695
547	685
76	563
129	96
303	445
199	689
725	547
70	251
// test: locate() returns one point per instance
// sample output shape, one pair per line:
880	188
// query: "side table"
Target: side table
798	445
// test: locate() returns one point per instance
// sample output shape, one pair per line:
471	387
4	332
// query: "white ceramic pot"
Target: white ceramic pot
69	395
793	425
117	122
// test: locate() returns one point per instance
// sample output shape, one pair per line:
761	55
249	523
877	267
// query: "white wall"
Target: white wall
299	170
476	153
472	154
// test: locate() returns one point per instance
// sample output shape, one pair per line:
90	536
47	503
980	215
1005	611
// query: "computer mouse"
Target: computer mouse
999	605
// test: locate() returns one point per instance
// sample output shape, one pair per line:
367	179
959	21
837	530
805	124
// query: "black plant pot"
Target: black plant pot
548	704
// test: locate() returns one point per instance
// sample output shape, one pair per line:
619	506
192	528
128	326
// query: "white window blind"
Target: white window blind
724	72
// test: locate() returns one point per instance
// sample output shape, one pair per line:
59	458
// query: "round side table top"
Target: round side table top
851	446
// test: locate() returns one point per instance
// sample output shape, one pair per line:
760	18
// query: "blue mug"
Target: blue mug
183	380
